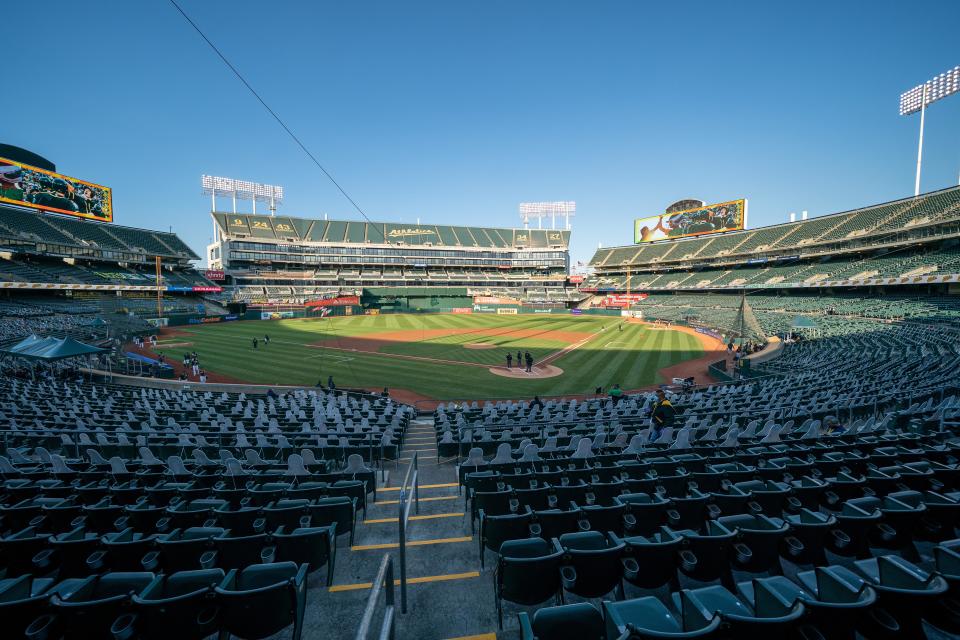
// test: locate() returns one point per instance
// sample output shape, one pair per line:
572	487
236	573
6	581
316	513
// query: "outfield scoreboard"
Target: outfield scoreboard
696	221
28	186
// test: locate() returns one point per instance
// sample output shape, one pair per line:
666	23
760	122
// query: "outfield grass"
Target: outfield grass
630	357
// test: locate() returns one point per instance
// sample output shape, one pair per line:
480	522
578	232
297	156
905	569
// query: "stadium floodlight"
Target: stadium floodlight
541	210
917	99
243	190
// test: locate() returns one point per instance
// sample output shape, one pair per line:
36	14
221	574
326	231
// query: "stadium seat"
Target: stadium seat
581	620
592	564
179	605
262	600
527	573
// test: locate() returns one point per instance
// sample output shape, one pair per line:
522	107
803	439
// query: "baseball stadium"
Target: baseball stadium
342	427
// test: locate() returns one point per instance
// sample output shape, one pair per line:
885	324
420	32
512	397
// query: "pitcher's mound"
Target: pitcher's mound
479	345
545	371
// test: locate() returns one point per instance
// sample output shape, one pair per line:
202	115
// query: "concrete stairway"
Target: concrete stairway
447	595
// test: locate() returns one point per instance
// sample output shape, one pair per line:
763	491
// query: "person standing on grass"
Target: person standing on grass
509	360
519	358
266	339
529	360
330	385
254	343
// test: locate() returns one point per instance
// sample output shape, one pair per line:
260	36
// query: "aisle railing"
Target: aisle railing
410	483
382	583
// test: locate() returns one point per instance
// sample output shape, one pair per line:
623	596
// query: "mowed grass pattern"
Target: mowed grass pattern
631	356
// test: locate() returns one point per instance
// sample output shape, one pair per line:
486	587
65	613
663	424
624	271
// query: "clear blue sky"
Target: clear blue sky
455	111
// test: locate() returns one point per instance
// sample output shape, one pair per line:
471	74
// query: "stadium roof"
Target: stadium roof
285	228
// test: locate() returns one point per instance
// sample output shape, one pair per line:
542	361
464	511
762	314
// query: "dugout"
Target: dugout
416	299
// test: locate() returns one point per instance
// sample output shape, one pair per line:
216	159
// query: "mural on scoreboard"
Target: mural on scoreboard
711	218
28	186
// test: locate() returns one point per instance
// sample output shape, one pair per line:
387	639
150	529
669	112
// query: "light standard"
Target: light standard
917	99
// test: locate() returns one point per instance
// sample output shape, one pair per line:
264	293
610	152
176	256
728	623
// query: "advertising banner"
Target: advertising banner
27	186
212	319
506	312
575	279
493	300
214	274
275	315
339	301
461	310
576	312
622	299
708	332
713	218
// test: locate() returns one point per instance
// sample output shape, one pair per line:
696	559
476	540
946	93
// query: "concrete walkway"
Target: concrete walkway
447	595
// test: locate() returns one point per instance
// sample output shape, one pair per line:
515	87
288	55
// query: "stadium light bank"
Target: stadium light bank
917	99
214	186
541	210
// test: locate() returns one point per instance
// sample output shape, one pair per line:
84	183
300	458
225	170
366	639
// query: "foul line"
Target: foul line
545	361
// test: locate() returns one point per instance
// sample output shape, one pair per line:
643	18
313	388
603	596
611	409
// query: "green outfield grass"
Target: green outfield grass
631	356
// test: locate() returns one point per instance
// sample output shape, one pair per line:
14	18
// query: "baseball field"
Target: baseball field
448	356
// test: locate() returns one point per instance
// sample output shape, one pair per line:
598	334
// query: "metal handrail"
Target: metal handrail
404	517
383	582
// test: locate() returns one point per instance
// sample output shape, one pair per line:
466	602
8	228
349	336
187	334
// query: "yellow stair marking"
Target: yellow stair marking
434	499
432	516
410	543
442	485
366	585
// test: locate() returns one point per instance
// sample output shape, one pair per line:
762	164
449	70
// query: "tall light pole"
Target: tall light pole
541	210
917	99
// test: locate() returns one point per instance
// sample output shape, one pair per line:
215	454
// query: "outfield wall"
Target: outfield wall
180	320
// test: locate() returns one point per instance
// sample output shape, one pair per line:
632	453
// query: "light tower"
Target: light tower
541	210
917	99
214	186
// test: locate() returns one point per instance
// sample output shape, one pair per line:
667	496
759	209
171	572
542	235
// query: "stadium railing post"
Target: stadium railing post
383	582
409	483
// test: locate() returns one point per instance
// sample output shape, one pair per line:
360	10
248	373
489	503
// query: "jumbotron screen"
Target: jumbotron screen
711	218
28	186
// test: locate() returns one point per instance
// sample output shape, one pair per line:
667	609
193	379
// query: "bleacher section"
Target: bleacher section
20	229
278	259
911	238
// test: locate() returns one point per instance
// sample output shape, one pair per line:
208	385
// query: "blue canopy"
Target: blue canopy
50	349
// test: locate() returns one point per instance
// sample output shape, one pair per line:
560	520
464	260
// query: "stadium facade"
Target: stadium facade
912	241
288	259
